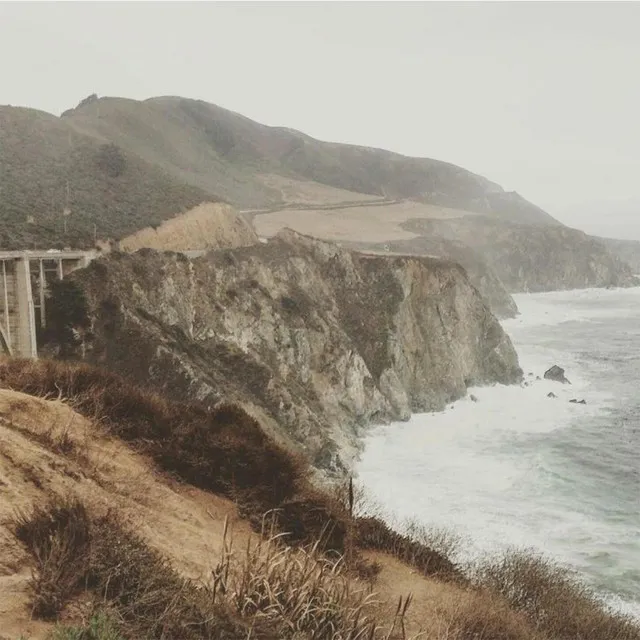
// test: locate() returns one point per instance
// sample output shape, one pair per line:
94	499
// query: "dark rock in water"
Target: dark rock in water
525	384
530	374
538	378
473	398
551	395
576	401
556	373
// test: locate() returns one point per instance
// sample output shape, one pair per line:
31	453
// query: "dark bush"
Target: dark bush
58	536
111	160
372	533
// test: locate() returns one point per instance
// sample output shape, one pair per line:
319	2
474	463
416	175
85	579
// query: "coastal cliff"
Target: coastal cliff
483	278
314	340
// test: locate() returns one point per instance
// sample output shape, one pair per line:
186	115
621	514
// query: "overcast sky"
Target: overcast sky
542	98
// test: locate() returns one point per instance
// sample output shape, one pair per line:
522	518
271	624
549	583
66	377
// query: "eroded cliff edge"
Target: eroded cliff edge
315	340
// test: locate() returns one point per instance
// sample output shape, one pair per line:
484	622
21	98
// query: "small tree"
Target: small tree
111	160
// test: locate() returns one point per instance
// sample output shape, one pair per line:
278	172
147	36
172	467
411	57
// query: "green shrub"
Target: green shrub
99	627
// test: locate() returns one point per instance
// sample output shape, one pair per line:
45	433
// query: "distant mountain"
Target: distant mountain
627	250
615	218
615	223
227	154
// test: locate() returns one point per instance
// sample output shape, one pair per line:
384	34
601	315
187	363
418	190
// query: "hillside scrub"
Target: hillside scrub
556	602
267	591
223	450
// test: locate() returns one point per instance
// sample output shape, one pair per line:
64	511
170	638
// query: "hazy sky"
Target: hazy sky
542	98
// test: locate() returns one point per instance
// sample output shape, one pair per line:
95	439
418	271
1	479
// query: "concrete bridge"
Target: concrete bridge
24	279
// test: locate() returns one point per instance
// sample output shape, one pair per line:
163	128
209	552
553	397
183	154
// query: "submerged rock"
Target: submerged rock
551	395
556	373
576	401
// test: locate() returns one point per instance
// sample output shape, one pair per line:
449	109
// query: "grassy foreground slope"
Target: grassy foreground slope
139	518
61	188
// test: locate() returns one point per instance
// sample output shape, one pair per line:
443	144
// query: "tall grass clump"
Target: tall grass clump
57	534
295	592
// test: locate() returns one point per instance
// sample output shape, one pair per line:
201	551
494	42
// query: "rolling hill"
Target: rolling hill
225	153
59	187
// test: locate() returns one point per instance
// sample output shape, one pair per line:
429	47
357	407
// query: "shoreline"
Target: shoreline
436	435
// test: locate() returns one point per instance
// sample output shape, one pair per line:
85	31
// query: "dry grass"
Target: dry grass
557	603
268	590
295	591
57	535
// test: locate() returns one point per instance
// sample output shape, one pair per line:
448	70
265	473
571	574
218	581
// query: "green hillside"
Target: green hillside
60	188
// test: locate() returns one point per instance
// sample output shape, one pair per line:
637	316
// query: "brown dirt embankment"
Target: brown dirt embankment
207	226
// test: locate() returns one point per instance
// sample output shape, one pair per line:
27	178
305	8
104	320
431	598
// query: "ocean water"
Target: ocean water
517	468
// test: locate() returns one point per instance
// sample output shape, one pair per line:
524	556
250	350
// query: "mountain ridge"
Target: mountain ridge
242	141
110	167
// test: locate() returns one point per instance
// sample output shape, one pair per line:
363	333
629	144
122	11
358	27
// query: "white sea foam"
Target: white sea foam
483	470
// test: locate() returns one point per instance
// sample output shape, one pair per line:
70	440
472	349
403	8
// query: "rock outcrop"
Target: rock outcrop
481	276
314	340
556	374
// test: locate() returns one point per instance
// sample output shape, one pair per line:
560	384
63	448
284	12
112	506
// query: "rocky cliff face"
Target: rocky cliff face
529	258
626	250
481	276
317	341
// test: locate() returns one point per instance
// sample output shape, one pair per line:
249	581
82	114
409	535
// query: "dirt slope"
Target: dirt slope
47	447
207	226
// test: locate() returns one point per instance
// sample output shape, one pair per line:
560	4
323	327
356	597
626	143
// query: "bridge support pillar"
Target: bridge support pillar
26	342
